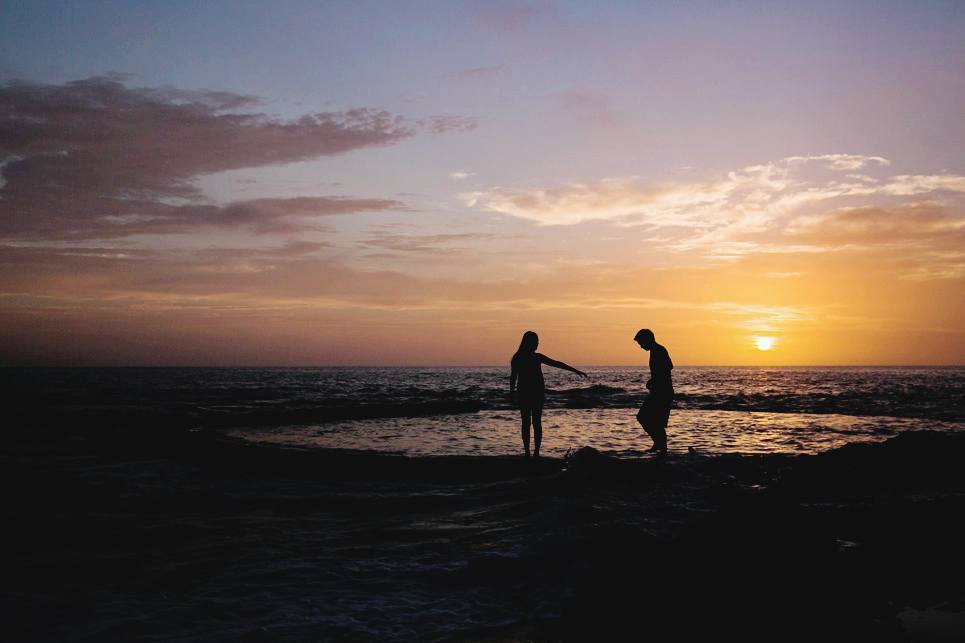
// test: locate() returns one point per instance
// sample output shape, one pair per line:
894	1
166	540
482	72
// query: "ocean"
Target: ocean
385	504
467	411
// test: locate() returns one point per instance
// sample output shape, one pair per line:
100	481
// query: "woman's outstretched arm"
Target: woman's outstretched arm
566	367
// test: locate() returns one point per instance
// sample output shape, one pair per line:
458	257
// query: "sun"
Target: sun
765	343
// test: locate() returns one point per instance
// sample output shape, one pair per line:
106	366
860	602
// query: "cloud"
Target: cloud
437	125
284	215
481	72
588	106
96	158
911	185
869	225
287	277
434	243
511	15
752	199
841	161
623	201
299	248
807	207
118	218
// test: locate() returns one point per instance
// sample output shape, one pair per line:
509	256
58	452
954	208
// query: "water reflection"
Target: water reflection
611	431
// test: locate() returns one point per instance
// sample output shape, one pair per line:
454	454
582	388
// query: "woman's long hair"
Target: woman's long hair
528	344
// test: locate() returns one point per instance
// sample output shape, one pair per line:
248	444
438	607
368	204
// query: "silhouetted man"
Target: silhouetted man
655	412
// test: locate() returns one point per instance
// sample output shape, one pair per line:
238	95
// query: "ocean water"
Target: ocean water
466	411
139	545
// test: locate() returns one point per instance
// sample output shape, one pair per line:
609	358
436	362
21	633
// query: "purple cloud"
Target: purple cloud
97	159
481	72
435	243
511	15
589	106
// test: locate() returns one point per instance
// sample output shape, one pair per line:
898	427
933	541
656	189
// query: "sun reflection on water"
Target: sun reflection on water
613	431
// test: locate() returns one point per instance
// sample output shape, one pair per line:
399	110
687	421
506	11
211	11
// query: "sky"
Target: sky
418	183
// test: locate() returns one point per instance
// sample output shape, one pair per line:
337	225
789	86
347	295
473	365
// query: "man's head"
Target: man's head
645	338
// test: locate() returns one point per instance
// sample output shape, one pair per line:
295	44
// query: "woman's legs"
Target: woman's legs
525	415
537	431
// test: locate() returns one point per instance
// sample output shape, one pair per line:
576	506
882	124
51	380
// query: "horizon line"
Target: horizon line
640	365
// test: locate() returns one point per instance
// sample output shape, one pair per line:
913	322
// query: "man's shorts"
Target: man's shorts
655	412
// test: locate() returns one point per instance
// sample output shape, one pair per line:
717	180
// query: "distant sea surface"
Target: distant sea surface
466	411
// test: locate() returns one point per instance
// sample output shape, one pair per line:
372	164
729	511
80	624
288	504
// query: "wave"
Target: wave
894	405
597	390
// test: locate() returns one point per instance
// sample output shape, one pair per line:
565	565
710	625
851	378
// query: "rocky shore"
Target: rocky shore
863	543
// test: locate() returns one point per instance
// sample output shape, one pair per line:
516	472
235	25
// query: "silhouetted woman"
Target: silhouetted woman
527	379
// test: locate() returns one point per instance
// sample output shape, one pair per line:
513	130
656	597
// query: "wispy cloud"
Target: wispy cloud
802	205
97	159
482	72
752	199
876	225
840	161
511	15
589	106
121	218
622	201
434	243
286	277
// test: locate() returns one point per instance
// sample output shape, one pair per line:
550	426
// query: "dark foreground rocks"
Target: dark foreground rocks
831	547
697	547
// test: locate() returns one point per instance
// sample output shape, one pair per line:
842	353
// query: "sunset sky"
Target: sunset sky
419	182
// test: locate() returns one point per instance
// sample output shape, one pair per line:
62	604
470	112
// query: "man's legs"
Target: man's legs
653	417
659	436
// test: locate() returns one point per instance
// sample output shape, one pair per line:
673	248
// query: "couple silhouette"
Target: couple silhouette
527	390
